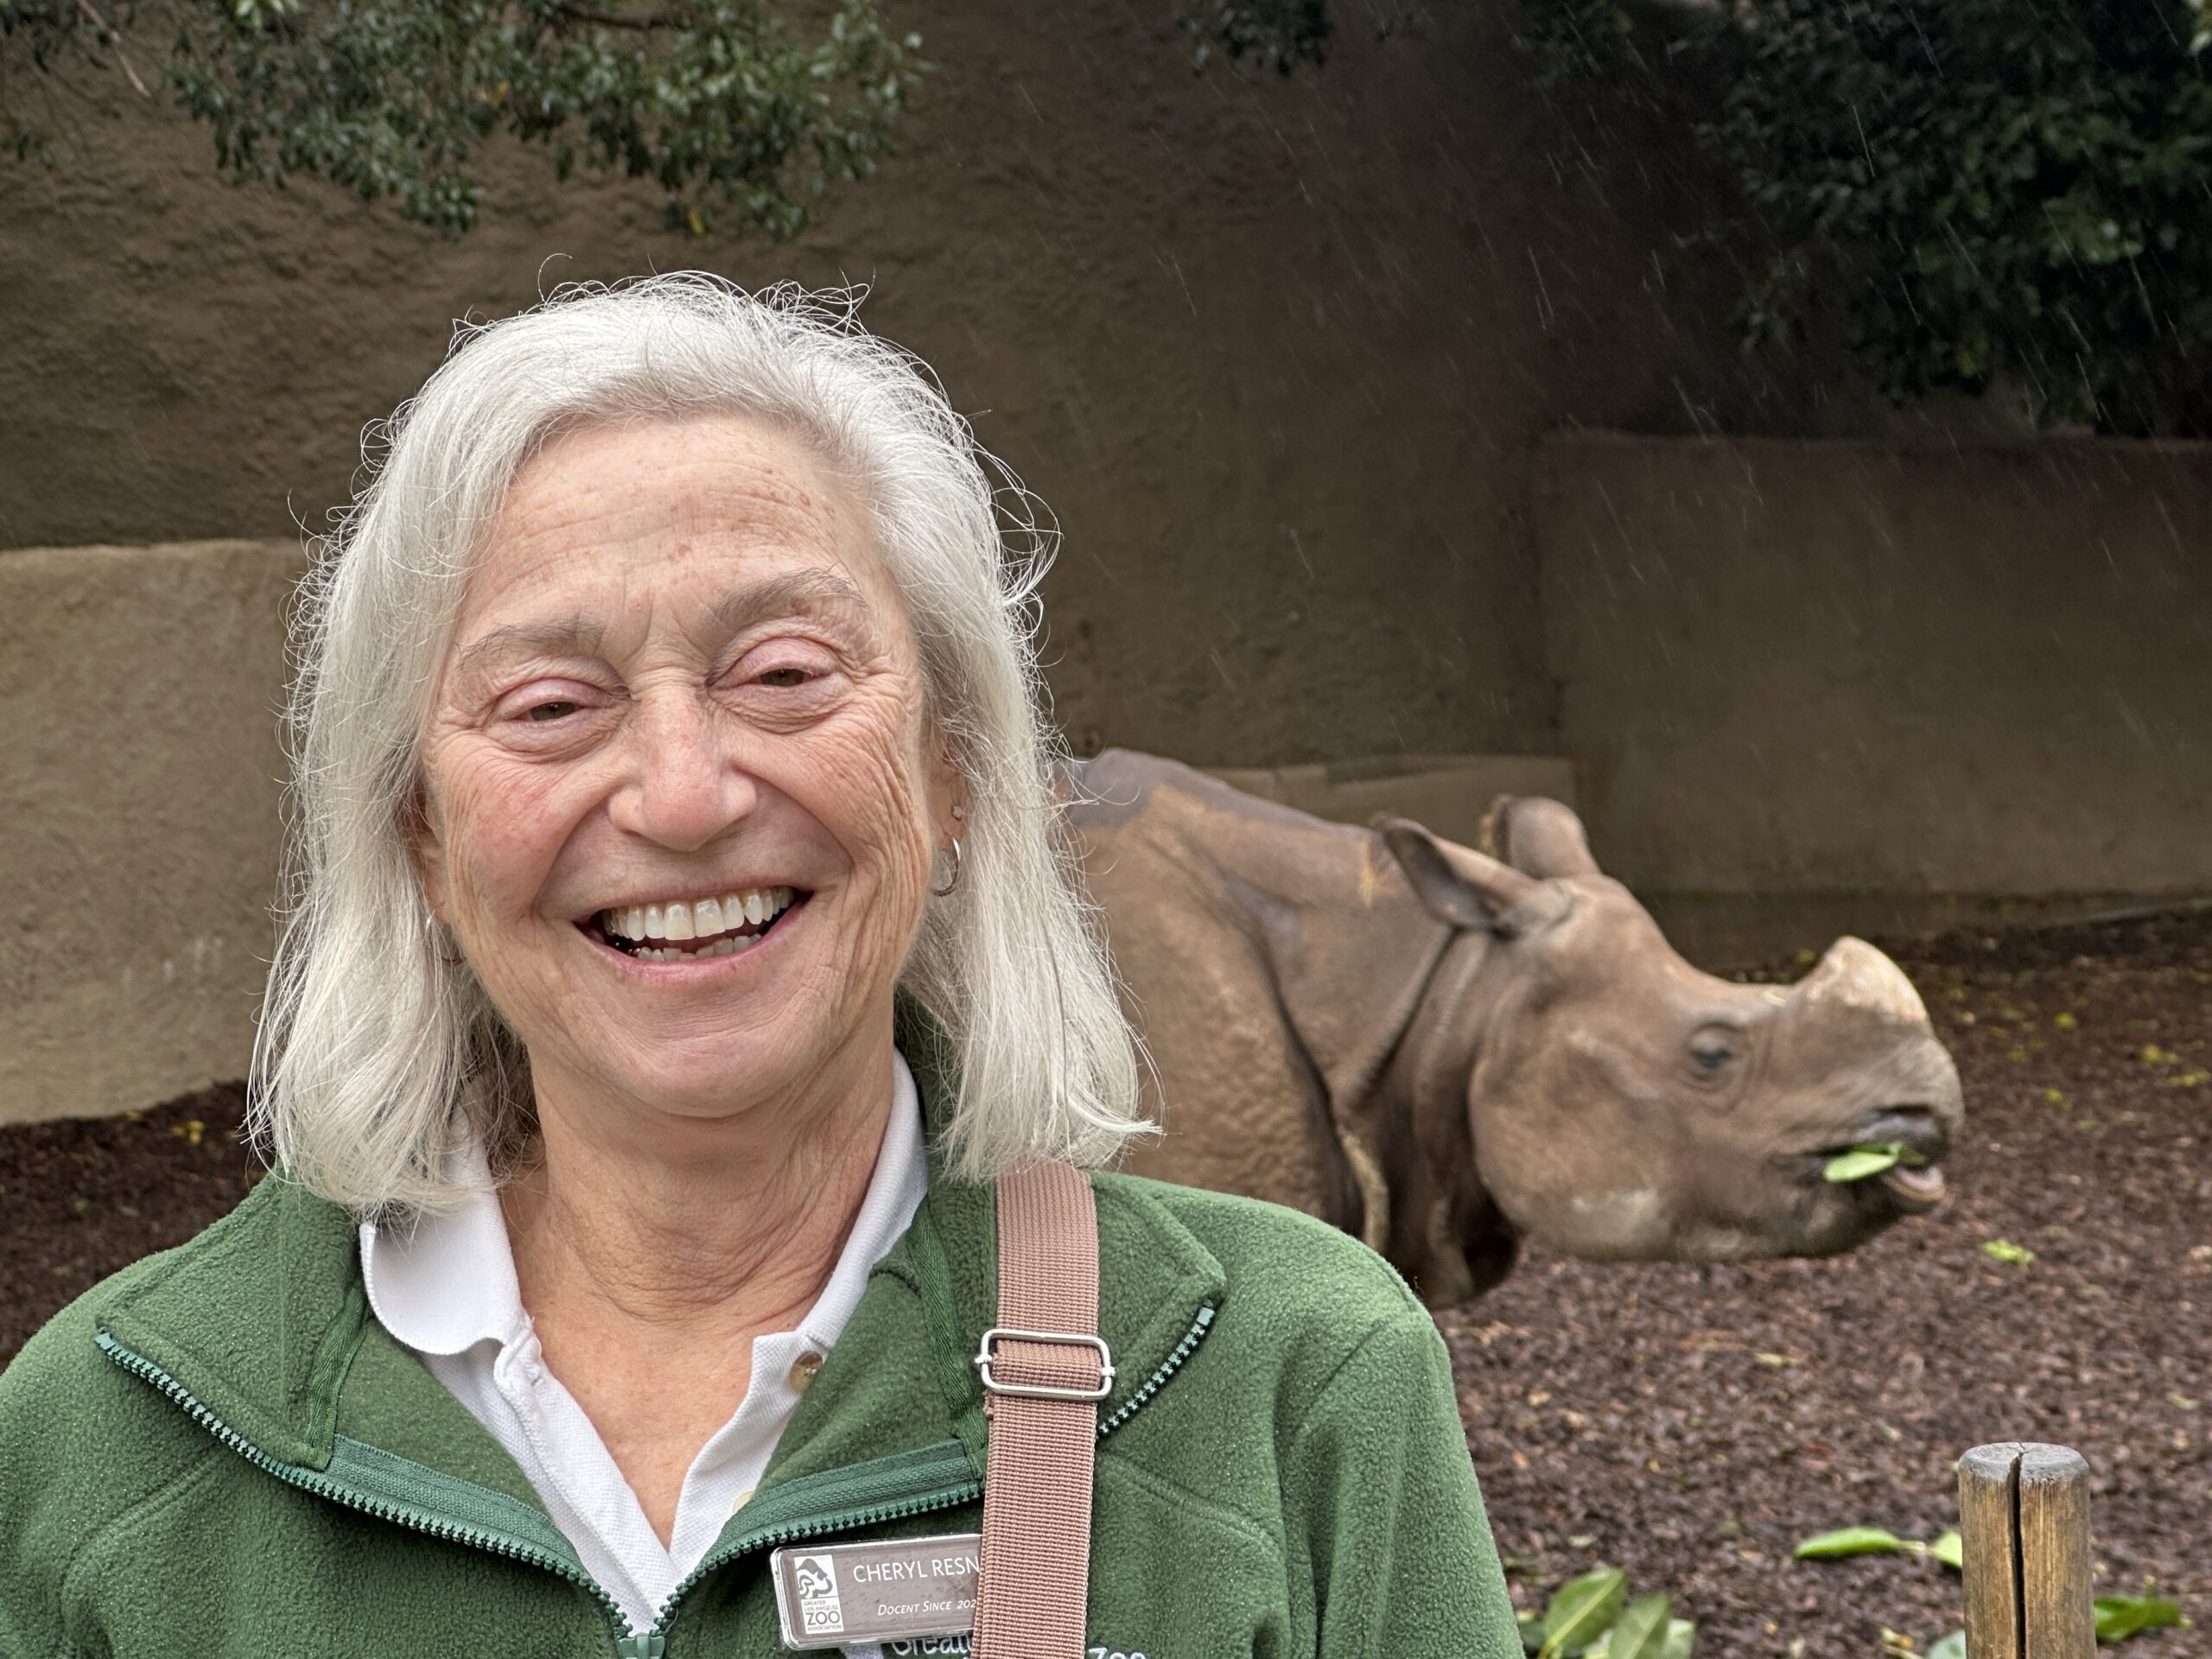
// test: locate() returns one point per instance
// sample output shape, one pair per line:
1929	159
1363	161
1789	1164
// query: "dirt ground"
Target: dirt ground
1691	1424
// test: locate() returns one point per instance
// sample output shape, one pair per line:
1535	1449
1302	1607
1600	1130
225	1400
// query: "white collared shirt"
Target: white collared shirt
447	1291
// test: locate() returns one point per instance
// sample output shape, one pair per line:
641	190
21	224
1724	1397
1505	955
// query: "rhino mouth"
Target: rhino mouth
1913	1187
1913	1191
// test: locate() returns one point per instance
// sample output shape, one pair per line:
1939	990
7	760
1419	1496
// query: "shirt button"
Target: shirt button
743	1498
803	1370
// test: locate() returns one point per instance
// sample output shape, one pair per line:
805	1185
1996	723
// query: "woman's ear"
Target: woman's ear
428	853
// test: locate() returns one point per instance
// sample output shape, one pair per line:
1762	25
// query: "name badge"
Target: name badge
840	1595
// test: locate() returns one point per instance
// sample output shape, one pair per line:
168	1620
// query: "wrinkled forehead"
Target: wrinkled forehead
677	473
723	514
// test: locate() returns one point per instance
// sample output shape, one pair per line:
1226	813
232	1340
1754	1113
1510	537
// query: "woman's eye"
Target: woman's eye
559	709
786	678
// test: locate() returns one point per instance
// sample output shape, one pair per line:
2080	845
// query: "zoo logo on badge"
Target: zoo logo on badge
820	1613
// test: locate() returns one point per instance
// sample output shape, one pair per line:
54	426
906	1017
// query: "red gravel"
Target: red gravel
1691	1424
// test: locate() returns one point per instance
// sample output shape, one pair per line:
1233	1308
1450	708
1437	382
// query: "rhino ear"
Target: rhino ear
1456	884
1537	836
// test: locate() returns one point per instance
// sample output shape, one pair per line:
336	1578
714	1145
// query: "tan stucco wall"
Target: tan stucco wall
1807	667
1277	352
138	827
1807	688
1271	349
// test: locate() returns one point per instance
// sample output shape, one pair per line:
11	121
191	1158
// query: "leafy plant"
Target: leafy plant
1590	1617
717	102
1983	193
2121	1617
1874	1541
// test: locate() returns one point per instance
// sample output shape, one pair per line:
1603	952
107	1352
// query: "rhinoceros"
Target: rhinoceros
1445	1052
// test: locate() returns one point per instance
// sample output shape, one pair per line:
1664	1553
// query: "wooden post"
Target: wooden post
2024	1517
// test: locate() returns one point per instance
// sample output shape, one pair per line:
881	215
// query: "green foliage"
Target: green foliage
1875	1541
1975	191
1281	34
2121	1617
1582	1611
1850	1540
715	101
1590	1617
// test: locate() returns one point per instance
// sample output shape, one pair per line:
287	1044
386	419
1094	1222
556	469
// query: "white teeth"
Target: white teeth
676	920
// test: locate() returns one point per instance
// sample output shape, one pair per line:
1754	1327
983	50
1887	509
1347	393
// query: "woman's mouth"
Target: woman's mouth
696	930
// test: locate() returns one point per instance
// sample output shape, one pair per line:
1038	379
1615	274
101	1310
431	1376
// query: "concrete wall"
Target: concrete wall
1805	689
1272	349
138	829
1797	668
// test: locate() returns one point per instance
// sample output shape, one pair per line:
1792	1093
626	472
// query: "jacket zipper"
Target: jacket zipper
950	1497
649	1644
1168	1367
323	1486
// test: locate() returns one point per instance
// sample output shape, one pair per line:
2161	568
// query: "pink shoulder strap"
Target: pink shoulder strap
1044	1370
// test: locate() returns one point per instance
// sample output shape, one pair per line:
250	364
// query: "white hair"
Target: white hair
378	1056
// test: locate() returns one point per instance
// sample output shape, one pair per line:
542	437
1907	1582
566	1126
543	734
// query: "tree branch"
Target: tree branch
108	32
609	20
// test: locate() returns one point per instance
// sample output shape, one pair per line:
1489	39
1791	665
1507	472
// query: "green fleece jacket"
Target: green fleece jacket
219	1451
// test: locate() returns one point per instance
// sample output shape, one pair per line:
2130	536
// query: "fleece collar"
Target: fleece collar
263	1321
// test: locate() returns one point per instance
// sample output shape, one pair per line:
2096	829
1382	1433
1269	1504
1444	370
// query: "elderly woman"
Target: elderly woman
680	1049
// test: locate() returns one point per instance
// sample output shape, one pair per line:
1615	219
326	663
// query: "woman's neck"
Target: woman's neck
709	1230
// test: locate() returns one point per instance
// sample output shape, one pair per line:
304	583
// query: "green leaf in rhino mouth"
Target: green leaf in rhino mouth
1862	1162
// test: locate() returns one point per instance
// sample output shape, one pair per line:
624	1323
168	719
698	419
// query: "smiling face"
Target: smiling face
680	796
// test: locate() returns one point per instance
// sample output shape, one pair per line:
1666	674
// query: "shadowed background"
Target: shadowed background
1388	425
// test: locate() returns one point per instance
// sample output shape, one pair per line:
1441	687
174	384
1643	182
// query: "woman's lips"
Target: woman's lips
663	953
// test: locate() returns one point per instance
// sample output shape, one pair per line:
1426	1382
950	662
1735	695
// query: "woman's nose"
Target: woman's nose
683	788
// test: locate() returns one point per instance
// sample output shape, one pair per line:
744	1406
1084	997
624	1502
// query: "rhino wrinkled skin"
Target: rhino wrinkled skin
1446	1052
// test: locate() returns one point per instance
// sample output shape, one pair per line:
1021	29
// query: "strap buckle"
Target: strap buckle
1044	1390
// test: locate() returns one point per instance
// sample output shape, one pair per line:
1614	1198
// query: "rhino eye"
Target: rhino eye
1711	1056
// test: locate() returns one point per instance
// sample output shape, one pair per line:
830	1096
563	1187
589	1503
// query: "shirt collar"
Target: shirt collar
445	1282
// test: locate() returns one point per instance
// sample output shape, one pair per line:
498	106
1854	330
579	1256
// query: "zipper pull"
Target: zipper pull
651	1645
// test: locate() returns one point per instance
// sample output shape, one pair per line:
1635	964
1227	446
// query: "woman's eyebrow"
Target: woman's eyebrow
822	593
574	636
818	592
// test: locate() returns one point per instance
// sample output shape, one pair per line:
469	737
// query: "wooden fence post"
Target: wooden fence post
2023	1518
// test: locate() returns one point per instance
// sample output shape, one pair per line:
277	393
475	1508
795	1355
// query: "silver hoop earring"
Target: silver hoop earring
438	943
941	892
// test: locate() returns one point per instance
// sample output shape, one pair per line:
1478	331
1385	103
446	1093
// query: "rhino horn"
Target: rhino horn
1456	884
1853	974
